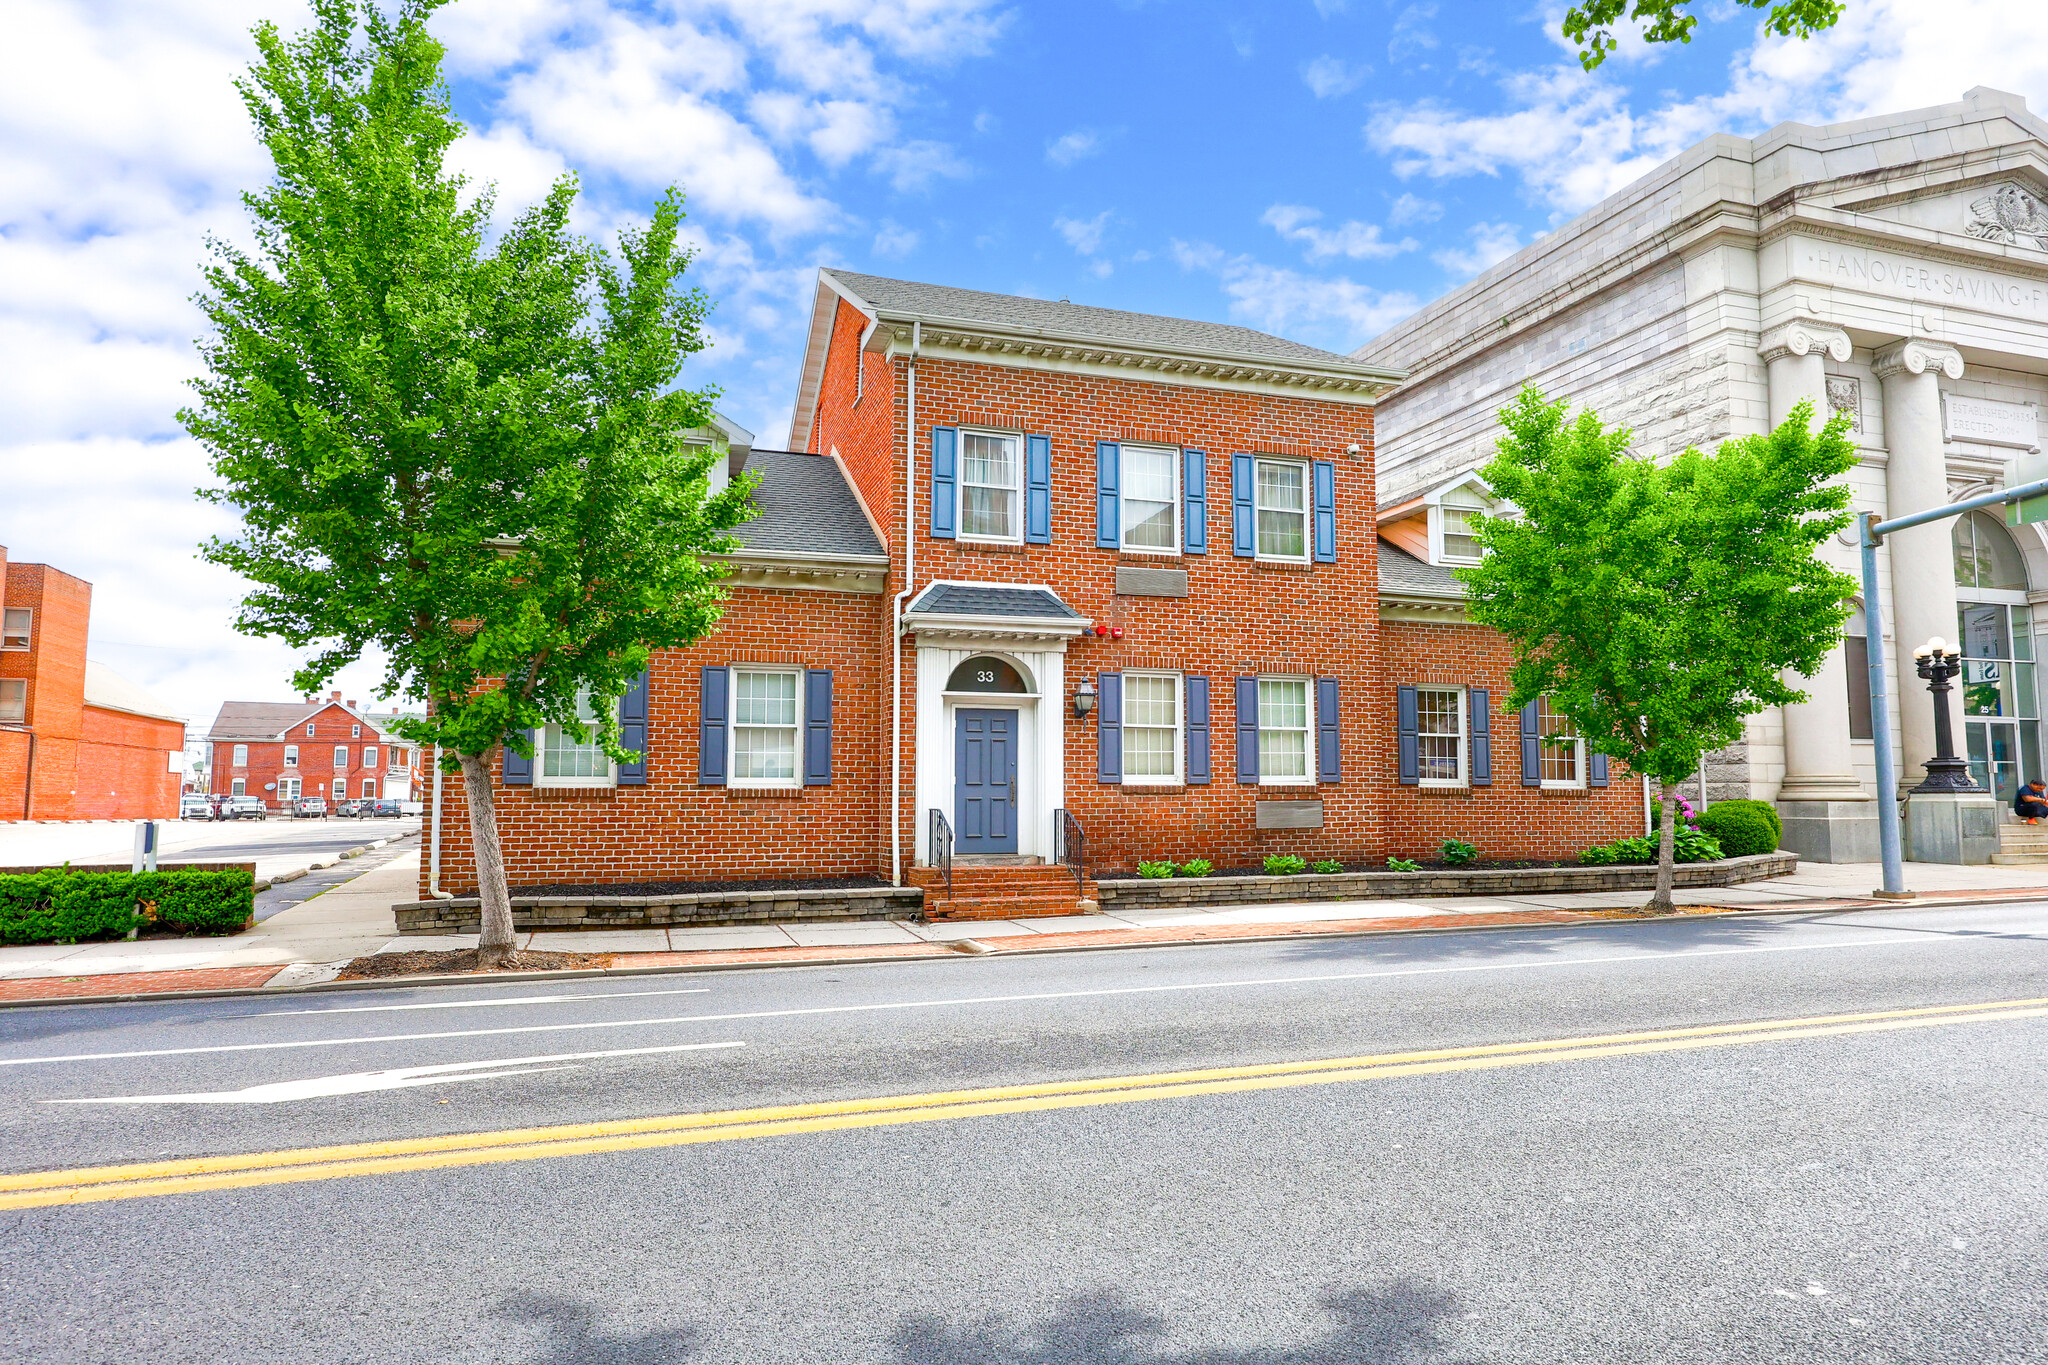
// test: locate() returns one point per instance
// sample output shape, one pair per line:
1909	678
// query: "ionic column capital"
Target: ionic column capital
1918	355
1804	336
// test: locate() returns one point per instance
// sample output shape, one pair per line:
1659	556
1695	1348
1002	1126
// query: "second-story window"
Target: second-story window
291	755
991	468
1281	490
369	756
241	756
340	757
1151	499
15	632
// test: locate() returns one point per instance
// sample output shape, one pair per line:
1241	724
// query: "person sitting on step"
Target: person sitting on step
2032	802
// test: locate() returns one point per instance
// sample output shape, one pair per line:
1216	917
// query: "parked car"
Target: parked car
197	806
310	808
354	808
391	807
245	808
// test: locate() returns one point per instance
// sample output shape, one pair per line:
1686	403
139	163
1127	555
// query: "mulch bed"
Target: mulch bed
681	888
1428	865
463	960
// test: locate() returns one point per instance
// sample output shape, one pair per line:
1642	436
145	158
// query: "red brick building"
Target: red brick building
1040	569
280	751
77	740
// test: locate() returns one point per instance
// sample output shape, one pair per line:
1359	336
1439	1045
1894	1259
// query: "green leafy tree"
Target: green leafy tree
1591	25
461	454
1657	606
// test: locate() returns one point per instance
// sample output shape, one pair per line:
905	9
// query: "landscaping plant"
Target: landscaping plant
1195	867
1690	846
1402	865
1659	606
1147	868
1457	852
1285	864
62	906
1326	866
452	444
1742	828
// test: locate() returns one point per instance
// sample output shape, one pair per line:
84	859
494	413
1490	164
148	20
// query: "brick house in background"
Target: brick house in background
77	740
1041	570
280	751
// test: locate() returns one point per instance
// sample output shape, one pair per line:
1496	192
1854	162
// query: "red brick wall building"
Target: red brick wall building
279	751
1188	522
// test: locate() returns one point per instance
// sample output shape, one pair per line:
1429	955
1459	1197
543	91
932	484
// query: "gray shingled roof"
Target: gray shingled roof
989	599
805	508
1401	572
1078	320
259	719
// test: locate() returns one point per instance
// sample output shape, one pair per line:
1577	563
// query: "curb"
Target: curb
265	883
951	952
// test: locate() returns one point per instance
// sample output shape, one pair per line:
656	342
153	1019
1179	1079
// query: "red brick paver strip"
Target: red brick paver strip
136	983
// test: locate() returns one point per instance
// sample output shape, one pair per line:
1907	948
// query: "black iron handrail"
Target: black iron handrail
942	847
1070	846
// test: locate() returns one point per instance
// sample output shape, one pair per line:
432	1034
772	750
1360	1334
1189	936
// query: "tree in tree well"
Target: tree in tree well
1591	23
464	455
1657	606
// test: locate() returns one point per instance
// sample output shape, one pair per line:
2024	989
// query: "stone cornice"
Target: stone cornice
1805	336
1917	355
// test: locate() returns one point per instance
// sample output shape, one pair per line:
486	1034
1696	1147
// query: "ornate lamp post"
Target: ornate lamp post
1939	664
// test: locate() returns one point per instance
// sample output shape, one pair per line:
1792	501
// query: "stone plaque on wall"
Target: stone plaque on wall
1990	422
1290	814
1846	395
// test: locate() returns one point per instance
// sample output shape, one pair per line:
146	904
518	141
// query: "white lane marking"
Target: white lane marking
472	1004
1900	942
397	1078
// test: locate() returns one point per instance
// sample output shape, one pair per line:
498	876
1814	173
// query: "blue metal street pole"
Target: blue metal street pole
1874	530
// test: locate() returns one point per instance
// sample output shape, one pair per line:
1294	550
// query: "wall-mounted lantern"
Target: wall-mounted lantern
1084	698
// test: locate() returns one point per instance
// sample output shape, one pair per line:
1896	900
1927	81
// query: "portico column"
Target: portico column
1827	815
1923	564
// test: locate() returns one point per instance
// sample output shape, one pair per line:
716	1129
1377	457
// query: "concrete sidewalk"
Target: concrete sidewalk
309	943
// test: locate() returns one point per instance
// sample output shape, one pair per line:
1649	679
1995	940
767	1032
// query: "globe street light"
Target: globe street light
1939	664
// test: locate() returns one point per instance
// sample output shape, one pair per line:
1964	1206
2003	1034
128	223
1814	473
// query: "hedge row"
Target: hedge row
62	906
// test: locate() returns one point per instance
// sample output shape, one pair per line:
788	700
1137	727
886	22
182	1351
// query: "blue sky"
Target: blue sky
1314	168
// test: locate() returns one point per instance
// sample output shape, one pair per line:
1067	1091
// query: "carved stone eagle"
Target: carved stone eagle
2008	214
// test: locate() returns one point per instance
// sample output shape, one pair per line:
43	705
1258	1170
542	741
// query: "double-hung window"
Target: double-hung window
1456	543
1280	498
341	758
355	732
1152	729
241	756
1561	751
291	755
1286	724
370	787
1440	736
566	760
13	699
14	627
766	723
238	787
309	732
1151	499
369	756
991	475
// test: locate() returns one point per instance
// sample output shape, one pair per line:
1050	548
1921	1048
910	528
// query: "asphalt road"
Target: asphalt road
231	841
1867	1190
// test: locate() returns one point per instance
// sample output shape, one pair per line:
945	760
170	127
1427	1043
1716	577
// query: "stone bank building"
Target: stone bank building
1038	583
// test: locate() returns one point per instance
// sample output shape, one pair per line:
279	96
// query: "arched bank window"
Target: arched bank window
986	674
2001	697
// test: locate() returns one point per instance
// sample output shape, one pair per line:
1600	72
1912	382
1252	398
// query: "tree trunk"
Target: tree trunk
497	944
1667	837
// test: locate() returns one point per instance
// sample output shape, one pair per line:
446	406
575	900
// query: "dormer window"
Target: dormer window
1452	518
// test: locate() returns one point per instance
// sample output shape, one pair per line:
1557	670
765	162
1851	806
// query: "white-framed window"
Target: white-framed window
767	719
355	732
14	699
1455	543
991	486
341	758
1440	736
1286	732
241	756
1150	499
15	625
370	787
1560	752
1280	502
288	788
291	755
238	787
369	755
309	730
1152	729
566	761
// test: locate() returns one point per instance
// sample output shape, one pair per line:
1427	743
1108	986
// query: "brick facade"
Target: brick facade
315	736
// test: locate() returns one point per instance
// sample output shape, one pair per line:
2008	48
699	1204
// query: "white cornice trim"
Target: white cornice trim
867	574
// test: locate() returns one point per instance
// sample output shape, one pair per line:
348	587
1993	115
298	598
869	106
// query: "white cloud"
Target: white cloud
914	165
1337	313
1359	241
1329	76
1084	234
894	239
1489	244
1409	209
1411	33
1329	8
1072	147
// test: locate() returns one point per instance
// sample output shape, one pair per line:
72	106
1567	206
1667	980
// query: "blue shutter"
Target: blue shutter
818	727
1038	489
1329	737
518	767
1108	529
1532	749
1480	704
712	685
1194	498
633	731
1248	730
1407	749
1109	727
1325	473
1596	770
1244	541
945	487
1198	729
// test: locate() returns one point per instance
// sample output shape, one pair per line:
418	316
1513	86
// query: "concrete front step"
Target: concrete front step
2019	859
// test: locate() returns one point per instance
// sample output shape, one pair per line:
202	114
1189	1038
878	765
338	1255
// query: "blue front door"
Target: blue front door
985	781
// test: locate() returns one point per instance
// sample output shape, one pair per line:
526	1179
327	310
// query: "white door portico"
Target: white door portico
1026	627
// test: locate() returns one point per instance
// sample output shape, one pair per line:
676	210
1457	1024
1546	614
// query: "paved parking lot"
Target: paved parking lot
274	845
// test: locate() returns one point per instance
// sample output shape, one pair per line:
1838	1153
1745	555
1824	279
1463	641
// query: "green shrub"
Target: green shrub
1285	864
1743	827
1457	852
1196	867
62	906
1402	865
1148	868
1326	866
1690	846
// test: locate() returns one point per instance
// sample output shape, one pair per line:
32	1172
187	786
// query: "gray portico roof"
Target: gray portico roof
805	507
991	599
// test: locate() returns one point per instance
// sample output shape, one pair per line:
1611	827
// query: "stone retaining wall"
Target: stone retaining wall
1163	893
464	916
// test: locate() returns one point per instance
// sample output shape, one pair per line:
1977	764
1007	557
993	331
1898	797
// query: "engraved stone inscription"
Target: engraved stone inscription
1846	395
1989	422
1906	278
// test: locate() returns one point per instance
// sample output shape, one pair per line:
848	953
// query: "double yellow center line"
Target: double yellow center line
91	1184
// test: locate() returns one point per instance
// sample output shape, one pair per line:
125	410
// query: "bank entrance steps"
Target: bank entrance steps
2019	844
999	887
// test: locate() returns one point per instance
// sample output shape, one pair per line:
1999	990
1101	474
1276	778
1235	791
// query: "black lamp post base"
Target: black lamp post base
1947	773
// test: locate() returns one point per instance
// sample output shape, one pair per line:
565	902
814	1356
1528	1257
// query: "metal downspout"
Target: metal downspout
434	890
896	618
